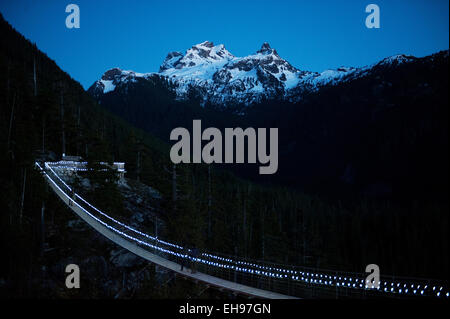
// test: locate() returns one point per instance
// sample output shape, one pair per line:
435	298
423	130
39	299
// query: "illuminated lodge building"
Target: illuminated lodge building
71	164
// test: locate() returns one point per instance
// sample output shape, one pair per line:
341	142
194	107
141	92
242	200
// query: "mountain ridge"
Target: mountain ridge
221	78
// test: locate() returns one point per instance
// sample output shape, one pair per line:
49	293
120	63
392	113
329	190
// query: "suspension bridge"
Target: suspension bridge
255	279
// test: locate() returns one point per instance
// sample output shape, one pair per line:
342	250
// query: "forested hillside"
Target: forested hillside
45	113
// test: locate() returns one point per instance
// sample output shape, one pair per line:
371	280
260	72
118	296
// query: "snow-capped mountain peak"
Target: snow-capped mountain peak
266	49
223	78
111	74
396	59
204	53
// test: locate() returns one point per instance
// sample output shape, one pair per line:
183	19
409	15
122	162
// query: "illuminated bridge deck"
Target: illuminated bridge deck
160	261
256	279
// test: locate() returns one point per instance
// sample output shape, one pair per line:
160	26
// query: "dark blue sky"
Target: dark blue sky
311	35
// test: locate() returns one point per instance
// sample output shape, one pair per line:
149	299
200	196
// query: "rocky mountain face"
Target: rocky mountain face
218	77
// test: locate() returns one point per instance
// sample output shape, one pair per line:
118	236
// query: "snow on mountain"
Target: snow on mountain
222	78
396	60
108	86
